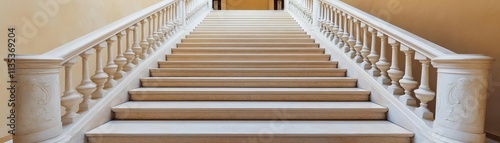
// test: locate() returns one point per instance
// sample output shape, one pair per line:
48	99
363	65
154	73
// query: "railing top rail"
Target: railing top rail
88	41
419	44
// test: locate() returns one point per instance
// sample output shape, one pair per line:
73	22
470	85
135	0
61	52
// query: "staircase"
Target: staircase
249	77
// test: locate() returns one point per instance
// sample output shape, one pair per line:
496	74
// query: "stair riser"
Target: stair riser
246	51
244	74
244	65
245	96
257	40
248	58
248	114
249	29
247	32
249	22
247	83
257	138
246	25
262	45
246	36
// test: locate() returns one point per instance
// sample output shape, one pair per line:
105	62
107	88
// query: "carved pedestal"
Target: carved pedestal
38	97
461	97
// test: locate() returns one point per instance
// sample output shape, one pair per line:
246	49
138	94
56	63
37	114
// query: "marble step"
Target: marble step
276	131
248	110
248	32
249	94
248	29
283	36
247	64
248	40
262	45
256	82
248	57
247	72
247	25
248	51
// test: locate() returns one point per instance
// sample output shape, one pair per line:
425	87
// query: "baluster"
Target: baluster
327	21
120	59
365	51
136	48
144	41
358	45
111	67
99	77
424	93
341	30
394	73
129	54
151	39
382	64
330	24
155	33
335	26
408	83
374	57
322	17
164	25
158	29
345	35
70	98
351	40
86	87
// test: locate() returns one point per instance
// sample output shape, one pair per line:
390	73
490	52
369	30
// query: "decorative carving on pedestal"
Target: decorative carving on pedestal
465	108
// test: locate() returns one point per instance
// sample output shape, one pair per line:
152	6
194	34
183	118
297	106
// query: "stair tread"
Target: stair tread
254	78
241	128
146	106
329	90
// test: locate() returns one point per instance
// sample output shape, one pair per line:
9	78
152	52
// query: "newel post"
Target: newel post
287	5
38	99
315	14
210	4
462	84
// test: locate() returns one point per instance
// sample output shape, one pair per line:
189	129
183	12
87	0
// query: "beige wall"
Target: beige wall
57	22
247	4
463	26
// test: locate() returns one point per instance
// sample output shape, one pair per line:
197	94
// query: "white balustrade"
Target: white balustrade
461	84
45	110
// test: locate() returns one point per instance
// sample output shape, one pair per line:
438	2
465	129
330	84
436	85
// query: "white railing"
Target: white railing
374	47
138	40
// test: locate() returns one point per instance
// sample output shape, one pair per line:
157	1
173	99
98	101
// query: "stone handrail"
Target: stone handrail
43	114
462	79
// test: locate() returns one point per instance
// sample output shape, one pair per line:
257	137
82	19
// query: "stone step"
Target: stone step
248	51
247	32
247	64
254	25
283	36
248	57
248	110
257	82
276	131
248	40
247	72
277	22
249	94
248	29
247	45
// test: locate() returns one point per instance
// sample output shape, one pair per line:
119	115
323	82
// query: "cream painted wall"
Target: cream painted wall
45	24
463	26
